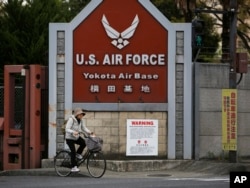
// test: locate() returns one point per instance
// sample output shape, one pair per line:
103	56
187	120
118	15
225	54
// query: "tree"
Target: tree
24	31
24	28
243	30
243	24
184	11
169	9
24	35
74	7
187	8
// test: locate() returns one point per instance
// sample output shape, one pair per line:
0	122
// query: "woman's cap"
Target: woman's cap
78	111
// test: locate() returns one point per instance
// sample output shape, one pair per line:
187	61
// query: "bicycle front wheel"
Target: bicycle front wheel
62	163
96	164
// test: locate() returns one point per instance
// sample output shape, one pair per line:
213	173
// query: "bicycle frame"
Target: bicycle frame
85	157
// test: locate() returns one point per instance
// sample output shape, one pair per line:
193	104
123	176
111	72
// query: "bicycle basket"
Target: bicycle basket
94	143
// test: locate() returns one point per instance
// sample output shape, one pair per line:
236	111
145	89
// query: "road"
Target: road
116	180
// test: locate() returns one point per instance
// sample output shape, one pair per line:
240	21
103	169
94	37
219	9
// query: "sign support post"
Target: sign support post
232	73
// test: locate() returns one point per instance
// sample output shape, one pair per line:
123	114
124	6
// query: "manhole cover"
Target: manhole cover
159	175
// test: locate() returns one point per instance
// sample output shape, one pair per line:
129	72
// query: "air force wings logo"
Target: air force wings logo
120	40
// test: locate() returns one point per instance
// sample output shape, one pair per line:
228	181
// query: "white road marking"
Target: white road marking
200	179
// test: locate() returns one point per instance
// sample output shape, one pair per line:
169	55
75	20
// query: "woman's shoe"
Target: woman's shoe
75	169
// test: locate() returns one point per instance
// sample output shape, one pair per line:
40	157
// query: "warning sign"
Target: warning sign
142	137
229	119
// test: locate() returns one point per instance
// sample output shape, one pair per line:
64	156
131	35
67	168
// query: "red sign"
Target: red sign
120	55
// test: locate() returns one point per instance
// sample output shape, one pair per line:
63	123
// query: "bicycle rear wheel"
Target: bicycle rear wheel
62	163
96	164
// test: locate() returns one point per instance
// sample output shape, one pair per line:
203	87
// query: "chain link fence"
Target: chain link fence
211	55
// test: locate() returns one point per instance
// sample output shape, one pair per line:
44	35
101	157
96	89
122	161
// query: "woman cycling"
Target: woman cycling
74	126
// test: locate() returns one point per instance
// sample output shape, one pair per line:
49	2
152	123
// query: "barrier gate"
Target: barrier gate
25	140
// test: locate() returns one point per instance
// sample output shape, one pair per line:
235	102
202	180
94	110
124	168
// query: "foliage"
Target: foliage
169	9
176	13
24	31
24	28
24	25
223	21
211	41
73	7
244	23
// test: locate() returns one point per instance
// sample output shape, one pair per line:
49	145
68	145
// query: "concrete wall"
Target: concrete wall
111	126
209	81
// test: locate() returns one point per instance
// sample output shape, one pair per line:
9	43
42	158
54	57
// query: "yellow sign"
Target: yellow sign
229	119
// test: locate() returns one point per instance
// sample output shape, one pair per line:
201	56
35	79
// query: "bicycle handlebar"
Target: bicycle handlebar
86	135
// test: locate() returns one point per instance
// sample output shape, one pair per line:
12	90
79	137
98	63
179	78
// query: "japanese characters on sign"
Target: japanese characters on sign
229	119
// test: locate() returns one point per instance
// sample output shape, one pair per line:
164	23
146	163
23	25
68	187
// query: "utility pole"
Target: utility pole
232	71
232	60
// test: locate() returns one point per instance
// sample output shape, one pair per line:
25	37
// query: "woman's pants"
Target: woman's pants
71	143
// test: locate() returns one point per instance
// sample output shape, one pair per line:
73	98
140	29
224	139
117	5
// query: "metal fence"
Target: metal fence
18	106
213	55
1	101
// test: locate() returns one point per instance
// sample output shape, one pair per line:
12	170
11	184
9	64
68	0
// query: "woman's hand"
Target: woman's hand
75	133
92	134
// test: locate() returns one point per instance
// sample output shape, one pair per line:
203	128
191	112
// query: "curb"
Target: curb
188	166
134	165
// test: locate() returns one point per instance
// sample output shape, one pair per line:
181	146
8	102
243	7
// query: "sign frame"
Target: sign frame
142	137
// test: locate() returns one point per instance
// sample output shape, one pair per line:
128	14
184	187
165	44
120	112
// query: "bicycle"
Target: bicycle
96	163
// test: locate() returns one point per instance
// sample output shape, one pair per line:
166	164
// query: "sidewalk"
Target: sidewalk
142	168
